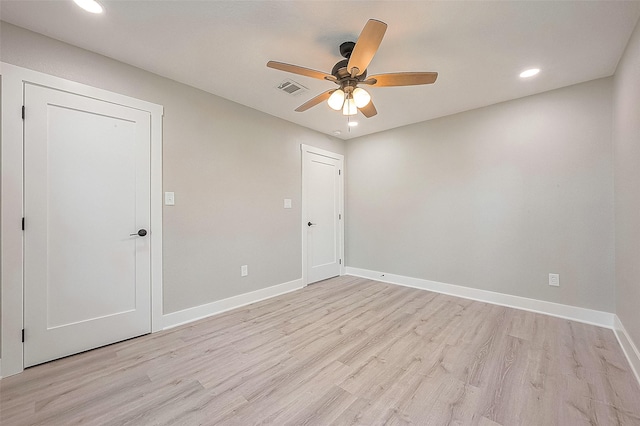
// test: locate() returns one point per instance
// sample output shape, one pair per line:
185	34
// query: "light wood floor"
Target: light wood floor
345	351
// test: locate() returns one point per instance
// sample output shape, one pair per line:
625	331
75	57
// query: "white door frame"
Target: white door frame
11	199
307	149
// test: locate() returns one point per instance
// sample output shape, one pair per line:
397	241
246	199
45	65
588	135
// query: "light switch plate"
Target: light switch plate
169	199
244	270
287	203
554	280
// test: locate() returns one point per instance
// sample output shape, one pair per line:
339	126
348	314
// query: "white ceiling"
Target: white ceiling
478	48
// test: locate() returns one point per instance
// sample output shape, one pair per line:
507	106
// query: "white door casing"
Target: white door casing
322	214
14	80
86	189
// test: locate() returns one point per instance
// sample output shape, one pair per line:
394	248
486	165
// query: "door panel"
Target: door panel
87	178
323	202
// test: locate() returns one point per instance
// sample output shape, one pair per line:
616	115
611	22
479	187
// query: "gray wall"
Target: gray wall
230	167
627	186
495	198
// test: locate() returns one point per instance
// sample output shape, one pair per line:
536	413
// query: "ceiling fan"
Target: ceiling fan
352	71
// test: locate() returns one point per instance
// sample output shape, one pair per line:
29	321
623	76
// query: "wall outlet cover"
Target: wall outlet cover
554	280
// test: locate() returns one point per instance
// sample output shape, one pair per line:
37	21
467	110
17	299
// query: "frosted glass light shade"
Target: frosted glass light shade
349	107
361	97
336	100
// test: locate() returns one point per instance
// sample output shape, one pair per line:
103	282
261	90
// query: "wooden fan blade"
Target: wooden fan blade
404	79
315	101
300	70
369	110
366	46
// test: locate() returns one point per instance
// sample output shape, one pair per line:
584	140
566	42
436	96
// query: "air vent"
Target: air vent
291	87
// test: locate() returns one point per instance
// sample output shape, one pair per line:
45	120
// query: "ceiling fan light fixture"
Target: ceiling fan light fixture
336	100
361	97
91	6
349	107
348	73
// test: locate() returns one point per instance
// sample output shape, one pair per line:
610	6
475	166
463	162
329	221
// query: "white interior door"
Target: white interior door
86	189
322	213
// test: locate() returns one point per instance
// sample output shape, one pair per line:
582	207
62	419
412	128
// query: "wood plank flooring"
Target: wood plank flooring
346	351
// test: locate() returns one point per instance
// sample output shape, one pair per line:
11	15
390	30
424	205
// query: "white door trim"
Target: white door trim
11	201
307	149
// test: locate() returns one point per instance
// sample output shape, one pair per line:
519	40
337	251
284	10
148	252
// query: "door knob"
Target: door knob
310	224
140	233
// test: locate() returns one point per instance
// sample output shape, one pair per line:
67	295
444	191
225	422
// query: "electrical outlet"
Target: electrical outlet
244	270
554	280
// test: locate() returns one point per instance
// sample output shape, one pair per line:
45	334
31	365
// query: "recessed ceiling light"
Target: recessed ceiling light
91	6
353	123
529	73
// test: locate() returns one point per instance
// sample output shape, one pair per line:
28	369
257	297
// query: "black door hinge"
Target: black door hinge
23	335
23	223
341	261
23	112
339	171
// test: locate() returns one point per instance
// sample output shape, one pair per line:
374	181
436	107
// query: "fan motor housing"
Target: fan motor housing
340	72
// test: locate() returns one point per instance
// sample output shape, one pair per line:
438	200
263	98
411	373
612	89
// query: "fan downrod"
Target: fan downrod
346	48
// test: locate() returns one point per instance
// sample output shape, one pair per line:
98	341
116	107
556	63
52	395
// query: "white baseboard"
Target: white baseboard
175	319
588	316
628	347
